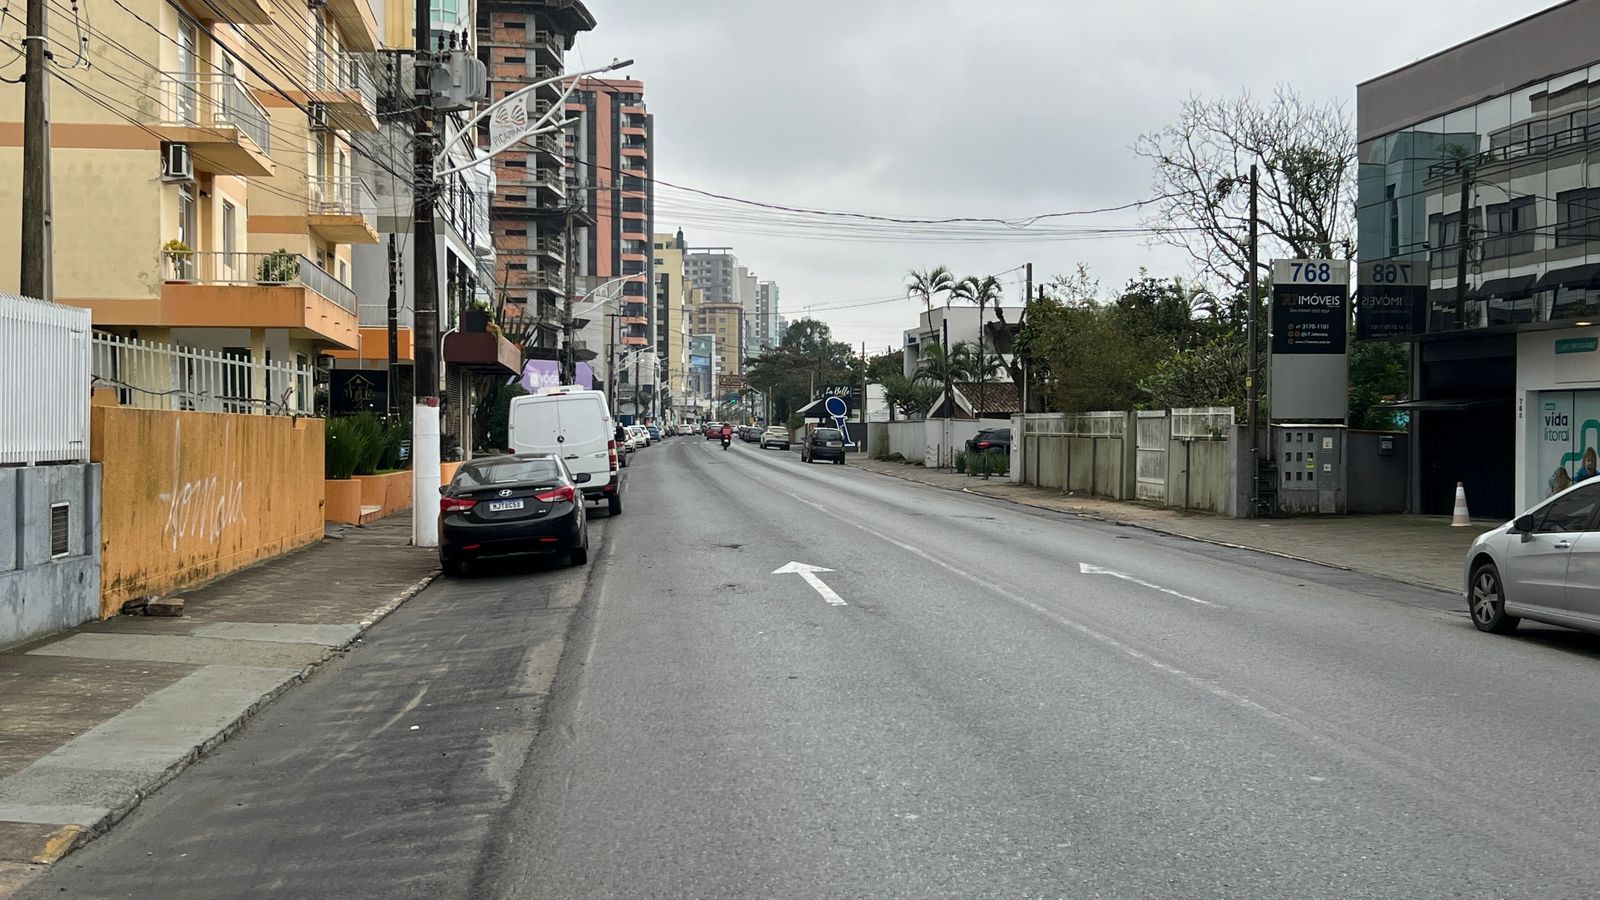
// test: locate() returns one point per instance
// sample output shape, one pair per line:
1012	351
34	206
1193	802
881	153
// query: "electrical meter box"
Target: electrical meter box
1311	469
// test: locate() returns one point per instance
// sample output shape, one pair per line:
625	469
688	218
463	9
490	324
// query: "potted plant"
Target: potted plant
476	317
278	267
180	261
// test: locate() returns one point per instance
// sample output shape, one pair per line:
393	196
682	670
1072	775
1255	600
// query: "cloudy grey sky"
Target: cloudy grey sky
935	108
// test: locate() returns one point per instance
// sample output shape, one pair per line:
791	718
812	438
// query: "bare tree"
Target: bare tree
1306	152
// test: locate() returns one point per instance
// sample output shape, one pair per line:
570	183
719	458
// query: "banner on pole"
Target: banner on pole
508	124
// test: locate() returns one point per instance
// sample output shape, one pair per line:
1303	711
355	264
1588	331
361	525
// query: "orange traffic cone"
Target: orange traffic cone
1460	516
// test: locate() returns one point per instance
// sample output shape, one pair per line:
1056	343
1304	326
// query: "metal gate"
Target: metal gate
1150	462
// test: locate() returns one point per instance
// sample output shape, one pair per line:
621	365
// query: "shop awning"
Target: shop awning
1514	286
1436	405
1571	276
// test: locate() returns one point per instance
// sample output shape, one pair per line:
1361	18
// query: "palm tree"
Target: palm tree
927	283
981	291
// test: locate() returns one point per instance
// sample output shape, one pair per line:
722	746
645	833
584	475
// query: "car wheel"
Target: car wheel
451	566
1487	601
614	505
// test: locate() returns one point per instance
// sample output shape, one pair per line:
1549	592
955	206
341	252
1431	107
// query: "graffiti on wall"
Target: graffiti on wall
203	507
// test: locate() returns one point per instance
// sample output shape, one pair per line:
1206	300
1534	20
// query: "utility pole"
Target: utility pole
394	329
1252	370
569	356
1463	242
425	288
949	394
611	362
1026	296
37	269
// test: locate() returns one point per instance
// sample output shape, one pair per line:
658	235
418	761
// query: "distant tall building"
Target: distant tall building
674	292
767	331
713	270
609	154
747	292
724	322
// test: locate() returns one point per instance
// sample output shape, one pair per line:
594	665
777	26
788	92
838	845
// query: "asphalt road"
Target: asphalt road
979	700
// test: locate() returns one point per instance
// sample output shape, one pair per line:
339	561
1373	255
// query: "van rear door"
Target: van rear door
535	425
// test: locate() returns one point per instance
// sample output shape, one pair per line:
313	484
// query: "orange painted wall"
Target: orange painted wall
189	496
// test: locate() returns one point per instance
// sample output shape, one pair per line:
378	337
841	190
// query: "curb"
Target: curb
1156	529
64	839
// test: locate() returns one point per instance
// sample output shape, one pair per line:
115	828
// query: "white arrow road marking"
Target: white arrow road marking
1088	569
809	573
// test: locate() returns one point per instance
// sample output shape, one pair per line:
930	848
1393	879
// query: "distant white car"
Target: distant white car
638	437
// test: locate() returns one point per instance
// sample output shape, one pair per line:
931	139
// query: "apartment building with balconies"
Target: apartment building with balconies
534	212
204	190
608	151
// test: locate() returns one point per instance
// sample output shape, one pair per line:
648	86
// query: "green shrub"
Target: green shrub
395	432
340	449
368	437
961	462
999	462
278	267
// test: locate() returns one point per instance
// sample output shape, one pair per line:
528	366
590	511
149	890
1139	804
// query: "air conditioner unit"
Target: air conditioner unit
318	114
177	163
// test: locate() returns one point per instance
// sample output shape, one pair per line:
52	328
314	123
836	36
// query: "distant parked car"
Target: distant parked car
641	438
1543	565
685	428
775	436
823	444
508	505
654	431
990	440
749	434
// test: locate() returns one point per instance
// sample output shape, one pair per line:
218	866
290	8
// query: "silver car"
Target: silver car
1544	565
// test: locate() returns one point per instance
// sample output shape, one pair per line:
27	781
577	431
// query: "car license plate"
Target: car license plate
503	505
835	443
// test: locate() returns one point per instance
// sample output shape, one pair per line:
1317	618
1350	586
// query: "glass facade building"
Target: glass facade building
1478	221
1528	164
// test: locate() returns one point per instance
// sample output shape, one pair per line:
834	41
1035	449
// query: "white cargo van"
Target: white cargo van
576	425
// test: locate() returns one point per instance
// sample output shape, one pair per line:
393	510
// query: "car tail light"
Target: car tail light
983	445
611	447
564	494
456	504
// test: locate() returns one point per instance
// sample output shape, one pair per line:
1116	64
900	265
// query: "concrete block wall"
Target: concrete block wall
41	593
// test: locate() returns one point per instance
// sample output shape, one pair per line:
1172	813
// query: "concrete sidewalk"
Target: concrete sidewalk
1422	550
94	719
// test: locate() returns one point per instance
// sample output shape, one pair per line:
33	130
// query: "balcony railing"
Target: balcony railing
348	75
213	100
260	269
346	196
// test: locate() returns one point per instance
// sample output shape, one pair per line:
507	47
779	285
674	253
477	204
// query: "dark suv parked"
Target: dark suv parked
824	444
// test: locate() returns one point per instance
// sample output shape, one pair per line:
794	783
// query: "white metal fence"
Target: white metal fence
149	375
1090	424
1206	423
44	372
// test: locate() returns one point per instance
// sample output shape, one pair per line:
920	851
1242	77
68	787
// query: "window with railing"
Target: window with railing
1511	227
1445	238
1577	216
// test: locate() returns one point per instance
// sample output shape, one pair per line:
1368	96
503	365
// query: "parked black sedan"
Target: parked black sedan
510	505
